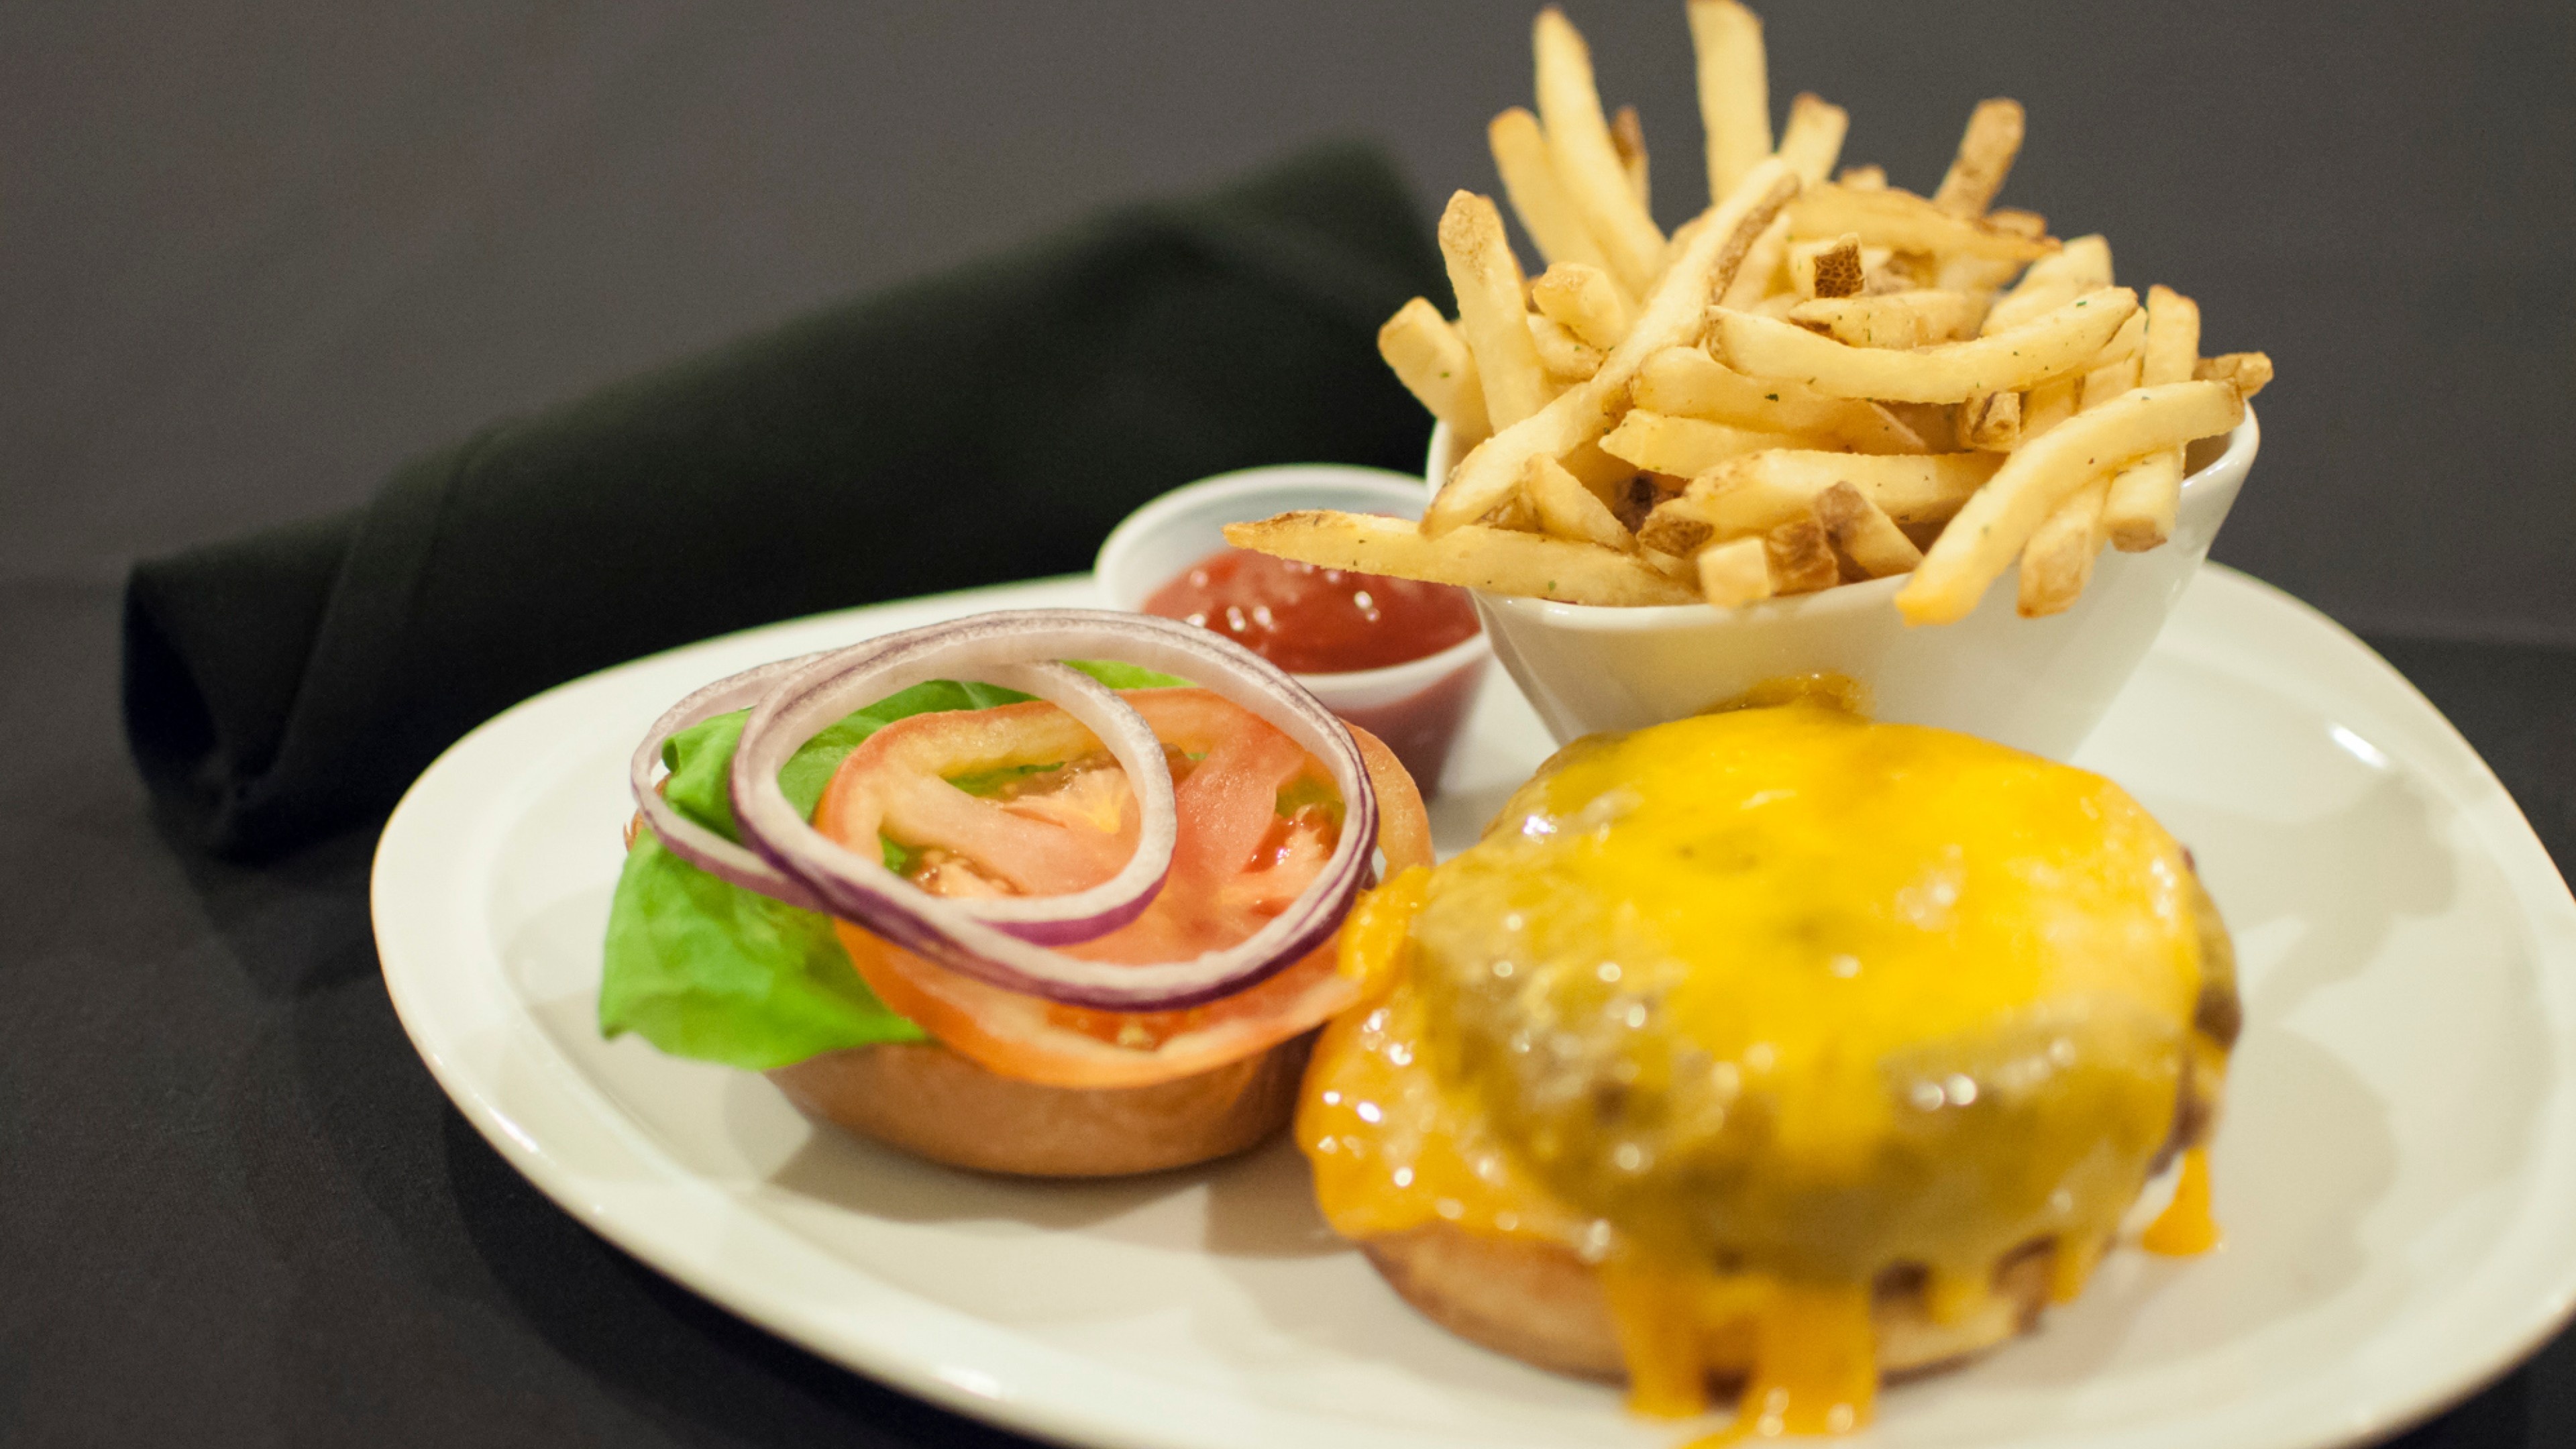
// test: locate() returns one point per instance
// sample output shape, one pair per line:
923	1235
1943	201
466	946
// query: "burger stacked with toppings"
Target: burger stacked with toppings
1084	934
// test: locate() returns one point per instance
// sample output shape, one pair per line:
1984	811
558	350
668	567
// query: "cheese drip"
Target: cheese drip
1758	1013
2185	1228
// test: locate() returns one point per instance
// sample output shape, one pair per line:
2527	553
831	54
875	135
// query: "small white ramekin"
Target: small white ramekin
2035	684
1416	707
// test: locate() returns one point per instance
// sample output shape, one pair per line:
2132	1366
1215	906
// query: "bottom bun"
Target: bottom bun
930	1101
1543	1305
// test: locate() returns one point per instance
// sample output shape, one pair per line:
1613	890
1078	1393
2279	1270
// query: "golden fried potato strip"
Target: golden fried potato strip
1538	198
1686	381
1491	314
2050	345
1432	361
1985	158
1908	223
2033	482
1587	159
1734	90
1473	556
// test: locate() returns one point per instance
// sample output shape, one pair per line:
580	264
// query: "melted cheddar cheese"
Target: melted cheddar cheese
1763	1012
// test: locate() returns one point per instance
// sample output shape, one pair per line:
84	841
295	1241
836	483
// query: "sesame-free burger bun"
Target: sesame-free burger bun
928	1100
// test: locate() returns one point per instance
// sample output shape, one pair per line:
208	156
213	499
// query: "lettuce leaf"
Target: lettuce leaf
701	968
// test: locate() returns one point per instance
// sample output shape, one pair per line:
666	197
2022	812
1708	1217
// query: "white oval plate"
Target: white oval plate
2396	1171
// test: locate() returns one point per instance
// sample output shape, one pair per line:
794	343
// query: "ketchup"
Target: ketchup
1310	620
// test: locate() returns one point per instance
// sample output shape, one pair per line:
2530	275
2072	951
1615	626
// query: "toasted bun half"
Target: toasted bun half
930	1101
1543	1305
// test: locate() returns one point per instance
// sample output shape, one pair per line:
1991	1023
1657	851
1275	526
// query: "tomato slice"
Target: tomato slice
1238	862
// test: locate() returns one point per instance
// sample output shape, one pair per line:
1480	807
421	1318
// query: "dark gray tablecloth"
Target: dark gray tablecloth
253	256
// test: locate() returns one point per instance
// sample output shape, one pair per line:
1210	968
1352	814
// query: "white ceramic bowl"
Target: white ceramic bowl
1416	707
2036	684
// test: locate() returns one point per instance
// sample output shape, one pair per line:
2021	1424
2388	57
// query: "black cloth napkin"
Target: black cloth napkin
992	423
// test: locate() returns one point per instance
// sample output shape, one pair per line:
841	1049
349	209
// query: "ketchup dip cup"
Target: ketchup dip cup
1415	707
2035	684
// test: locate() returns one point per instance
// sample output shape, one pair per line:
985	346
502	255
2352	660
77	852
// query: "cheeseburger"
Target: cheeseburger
1774	1049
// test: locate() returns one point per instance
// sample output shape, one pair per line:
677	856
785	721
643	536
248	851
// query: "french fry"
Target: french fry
1686	381
1859	321
2138	508
2146	493
1607	477
1734	90
2047	405
1675	529
2172	350
1872	177
2082	265
1560	352
1911	489
2247	372
1864	532
1490	311
1686	446
1628	136
2018	221
1587	160
1993	526
2050	345
2127	344
2058	561
1801	556
1567	509
1893	319
1583	297
1990	422
1895	271
1760	491
1673	314
1538	198
1752	281
1968	274
1924	420
2116	376
1813	139
1734	574
2122	355
1985	158
1490	472
1512	515
1433	363
1471	556
1826	268
1906	222
1680	570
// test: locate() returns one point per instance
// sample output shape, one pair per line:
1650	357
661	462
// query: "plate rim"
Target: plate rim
840	1332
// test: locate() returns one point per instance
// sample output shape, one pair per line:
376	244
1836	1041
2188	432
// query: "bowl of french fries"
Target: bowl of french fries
1806	434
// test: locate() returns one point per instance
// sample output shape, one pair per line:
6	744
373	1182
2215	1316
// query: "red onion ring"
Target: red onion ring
1052	920
686	838
860	889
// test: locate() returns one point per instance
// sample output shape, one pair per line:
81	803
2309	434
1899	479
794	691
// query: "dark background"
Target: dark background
253	256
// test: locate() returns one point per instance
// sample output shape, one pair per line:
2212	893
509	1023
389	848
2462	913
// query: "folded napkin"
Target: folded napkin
989	424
